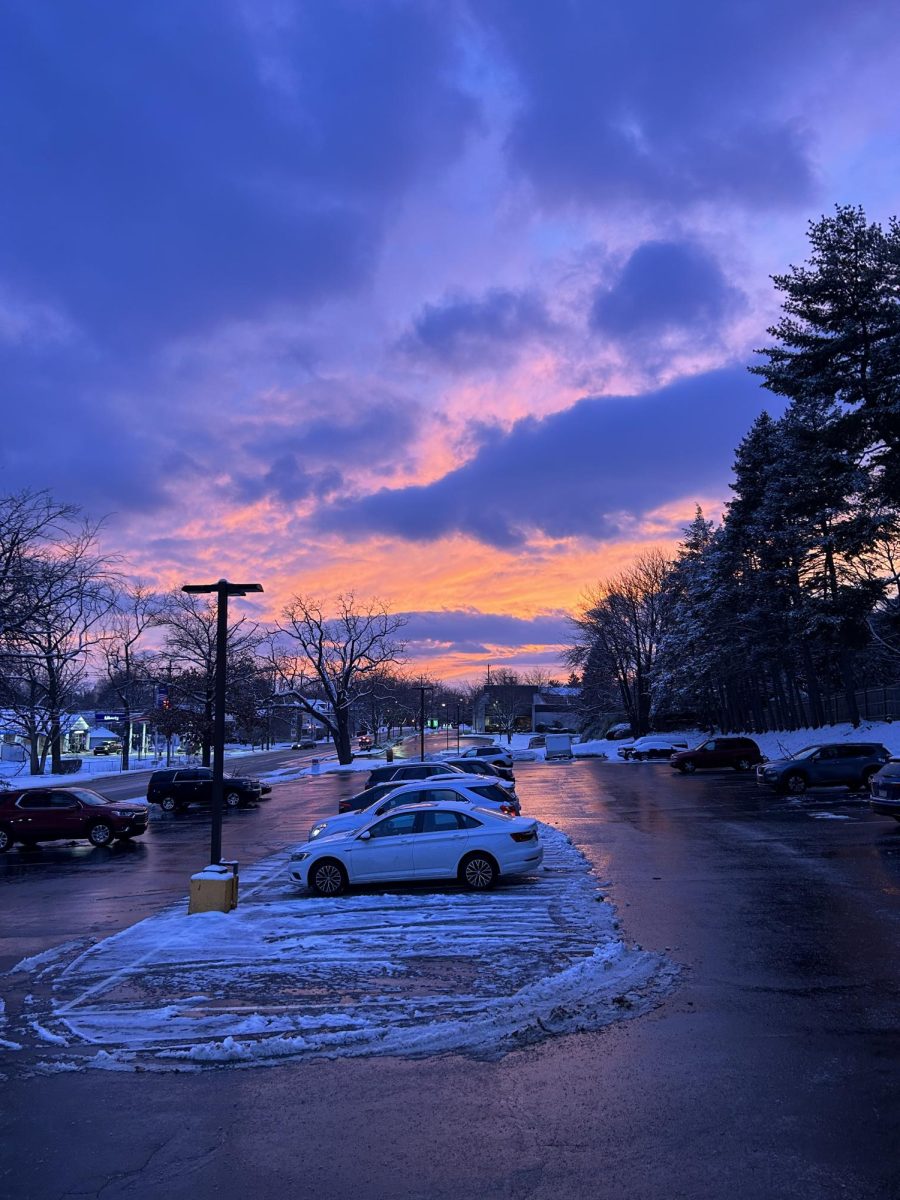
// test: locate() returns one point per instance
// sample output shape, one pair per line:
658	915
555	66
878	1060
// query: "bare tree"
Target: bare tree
137	610
45	657
618	633
341	656
31	526
190	640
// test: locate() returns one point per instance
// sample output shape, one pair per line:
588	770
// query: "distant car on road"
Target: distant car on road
651	746
108	748
176	789
839	764
421	841
739	753
52	814
305	744
884	790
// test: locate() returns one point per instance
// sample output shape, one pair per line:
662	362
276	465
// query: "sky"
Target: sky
445	303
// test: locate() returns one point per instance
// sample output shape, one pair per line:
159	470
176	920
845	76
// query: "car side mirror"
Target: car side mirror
364	836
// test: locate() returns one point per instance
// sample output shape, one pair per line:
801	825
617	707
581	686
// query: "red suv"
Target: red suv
741	753
48	814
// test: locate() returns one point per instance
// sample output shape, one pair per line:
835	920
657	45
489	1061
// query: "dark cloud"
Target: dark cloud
667	104
666	286
589	471
469	631
166	166
468	331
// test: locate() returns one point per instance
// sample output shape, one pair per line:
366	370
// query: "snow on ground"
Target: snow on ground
406	972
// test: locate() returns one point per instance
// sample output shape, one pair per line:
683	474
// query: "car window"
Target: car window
709	745
63	800
87	797
467	822
443	796
494	792
413	797
440	822
890	770
398	826
35	800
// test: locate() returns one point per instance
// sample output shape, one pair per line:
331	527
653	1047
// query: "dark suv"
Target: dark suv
176	789
741	753
843	764
49	814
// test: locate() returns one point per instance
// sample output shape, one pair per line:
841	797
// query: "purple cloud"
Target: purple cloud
590	471
666	286
466	331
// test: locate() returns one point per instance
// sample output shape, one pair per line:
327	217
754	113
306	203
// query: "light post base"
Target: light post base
214	889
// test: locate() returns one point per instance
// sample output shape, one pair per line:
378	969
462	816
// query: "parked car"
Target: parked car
108	748
176	789
651	746
740	753
839	764
421	841
492	754
536	742
480	766
371	795
467	790
309	743
410	769
49	814
884	790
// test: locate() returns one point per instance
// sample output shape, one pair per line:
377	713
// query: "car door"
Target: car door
34	817
68	816
439	847
830	767
387	853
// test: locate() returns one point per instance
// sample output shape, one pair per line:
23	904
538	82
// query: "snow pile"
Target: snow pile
407	972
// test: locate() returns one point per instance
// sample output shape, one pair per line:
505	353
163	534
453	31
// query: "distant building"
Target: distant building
524	707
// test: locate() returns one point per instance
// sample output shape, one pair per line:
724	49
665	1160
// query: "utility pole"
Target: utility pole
457	729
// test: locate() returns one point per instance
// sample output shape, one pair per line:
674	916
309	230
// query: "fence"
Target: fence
874	704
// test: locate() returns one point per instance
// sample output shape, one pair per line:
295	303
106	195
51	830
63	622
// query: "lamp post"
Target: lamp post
457	729
423	688
223	590
445	716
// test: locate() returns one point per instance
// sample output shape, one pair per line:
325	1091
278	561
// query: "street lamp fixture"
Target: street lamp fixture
223	590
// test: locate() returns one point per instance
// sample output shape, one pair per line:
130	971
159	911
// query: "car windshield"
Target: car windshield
87	797
806	752
891	770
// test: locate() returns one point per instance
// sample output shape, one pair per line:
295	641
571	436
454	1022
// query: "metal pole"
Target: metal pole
218	787
457	729
422	724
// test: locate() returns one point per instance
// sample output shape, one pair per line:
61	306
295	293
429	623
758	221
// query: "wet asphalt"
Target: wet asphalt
773	1069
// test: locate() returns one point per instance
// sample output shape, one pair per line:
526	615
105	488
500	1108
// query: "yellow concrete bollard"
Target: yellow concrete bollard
214	889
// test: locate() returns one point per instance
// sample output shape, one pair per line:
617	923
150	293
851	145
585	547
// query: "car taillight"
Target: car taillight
343	807
524	837
508	809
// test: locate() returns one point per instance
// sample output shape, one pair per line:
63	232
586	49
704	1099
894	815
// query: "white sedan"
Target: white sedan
490	754
482	793
421	841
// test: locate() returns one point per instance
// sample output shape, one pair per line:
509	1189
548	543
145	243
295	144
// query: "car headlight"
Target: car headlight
129	812
300	857
315	831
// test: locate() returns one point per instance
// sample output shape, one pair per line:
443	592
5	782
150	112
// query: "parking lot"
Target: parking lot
771	1057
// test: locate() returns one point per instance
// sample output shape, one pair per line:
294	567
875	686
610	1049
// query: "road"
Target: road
770	1072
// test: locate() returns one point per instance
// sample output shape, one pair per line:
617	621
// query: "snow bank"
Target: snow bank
404	972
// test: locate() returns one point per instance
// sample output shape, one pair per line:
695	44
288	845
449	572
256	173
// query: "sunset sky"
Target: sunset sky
446	303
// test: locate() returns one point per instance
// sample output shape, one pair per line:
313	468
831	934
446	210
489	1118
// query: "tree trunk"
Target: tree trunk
849	682
812	683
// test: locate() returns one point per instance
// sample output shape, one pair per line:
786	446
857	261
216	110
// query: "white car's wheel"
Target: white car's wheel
328	878
478	872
